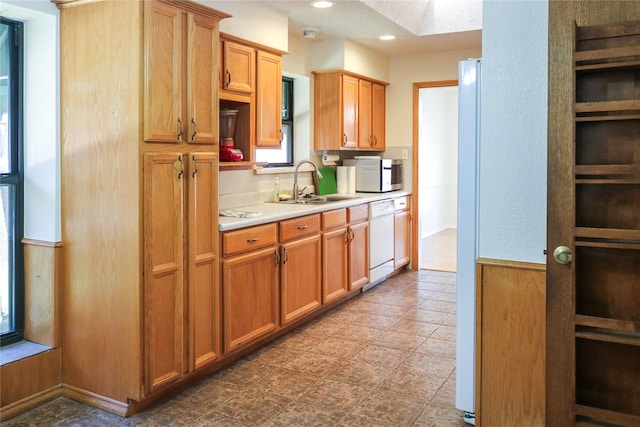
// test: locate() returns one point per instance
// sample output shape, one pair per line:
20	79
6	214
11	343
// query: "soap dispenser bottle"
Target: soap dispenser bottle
276	190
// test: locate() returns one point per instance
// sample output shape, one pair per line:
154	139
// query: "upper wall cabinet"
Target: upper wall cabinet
180	88
251	83
269	101
349	112
238	67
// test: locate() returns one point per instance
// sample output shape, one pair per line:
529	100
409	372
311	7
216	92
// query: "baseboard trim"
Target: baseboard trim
93	399
23	405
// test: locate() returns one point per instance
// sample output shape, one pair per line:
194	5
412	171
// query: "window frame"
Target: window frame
15	179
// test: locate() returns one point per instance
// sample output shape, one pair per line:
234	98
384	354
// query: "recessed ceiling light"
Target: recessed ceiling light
321	4
387	37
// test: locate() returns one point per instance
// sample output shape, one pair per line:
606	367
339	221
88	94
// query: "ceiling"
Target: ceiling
419	25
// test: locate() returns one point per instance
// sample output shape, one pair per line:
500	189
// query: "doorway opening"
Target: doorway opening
436	154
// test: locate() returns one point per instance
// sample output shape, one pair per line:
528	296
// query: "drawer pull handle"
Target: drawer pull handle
302	227
255	239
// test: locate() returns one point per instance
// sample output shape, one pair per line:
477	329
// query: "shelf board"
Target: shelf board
607	118
608	233
608	244
607	106
608	65
606	416
605	56
623	326
608	335
627	170
228	166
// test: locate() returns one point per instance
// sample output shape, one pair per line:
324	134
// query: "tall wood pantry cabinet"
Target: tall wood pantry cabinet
139	176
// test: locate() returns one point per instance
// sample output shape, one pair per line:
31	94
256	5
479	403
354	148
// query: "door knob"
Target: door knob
562	255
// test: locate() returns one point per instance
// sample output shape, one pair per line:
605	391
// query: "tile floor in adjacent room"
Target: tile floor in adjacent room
384	358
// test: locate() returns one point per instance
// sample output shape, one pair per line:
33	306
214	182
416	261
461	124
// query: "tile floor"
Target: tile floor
384	358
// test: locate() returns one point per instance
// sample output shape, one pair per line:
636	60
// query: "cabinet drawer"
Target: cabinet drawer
401	203
247	239
299	227
334	219
358	213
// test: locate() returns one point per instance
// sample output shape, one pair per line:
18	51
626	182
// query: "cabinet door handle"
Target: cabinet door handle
281	136
345	139
195	128
179	167
277	258
285	256
302	227
179	134
195	166
347	237
228	79
253	240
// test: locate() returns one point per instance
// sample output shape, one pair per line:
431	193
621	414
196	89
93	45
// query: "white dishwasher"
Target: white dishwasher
381	238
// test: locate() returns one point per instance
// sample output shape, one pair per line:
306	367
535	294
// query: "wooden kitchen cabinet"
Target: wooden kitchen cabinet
136	274
371	116
181	90
238	67
269	100
300	283
402	232
180	206
250	285
358	246
256	92
334	255
349	112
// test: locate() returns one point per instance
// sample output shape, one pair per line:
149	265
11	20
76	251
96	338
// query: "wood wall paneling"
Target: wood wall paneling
510	344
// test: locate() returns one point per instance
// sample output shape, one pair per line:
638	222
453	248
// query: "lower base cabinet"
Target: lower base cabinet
300	268
250	291
358	246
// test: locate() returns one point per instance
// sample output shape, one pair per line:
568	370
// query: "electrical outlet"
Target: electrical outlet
405	153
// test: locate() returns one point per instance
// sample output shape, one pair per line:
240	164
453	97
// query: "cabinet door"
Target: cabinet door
301	285
203	290
378	116
239	67
202	83
334	264
163	268
269	100
349	111
163	84
358	255
250	297
365	129
402	225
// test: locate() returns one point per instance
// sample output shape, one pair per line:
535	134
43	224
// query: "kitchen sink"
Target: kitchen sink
316	200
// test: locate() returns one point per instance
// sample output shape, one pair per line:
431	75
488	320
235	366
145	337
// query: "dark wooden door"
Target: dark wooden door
593	299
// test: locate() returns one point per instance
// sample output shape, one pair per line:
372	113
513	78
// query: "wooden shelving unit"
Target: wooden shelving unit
607	224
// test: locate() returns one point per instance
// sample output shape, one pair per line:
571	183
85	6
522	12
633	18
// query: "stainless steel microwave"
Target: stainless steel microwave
375	174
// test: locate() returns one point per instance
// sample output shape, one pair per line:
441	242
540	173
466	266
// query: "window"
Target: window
284	155
11	182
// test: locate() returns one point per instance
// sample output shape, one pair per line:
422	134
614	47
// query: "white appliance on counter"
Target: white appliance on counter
381	236
467	244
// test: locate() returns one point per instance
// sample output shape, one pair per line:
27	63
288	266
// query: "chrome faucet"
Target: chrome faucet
295	176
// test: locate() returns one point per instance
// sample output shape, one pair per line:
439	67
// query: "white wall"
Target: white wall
41	119
513	148
438	139
404	71
255	21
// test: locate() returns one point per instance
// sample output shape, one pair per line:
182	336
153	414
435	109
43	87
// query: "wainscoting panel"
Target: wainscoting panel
510	343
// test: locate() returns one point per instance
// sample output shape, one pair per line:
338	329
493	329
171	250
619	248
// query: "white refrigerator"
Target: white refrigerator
468	190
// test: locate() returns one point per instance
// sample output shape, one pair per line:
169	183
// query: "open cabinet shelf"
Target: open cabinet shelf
606	262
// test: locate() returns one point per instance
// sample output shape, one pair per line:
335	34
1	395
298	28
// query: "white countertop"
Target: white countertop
270	212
